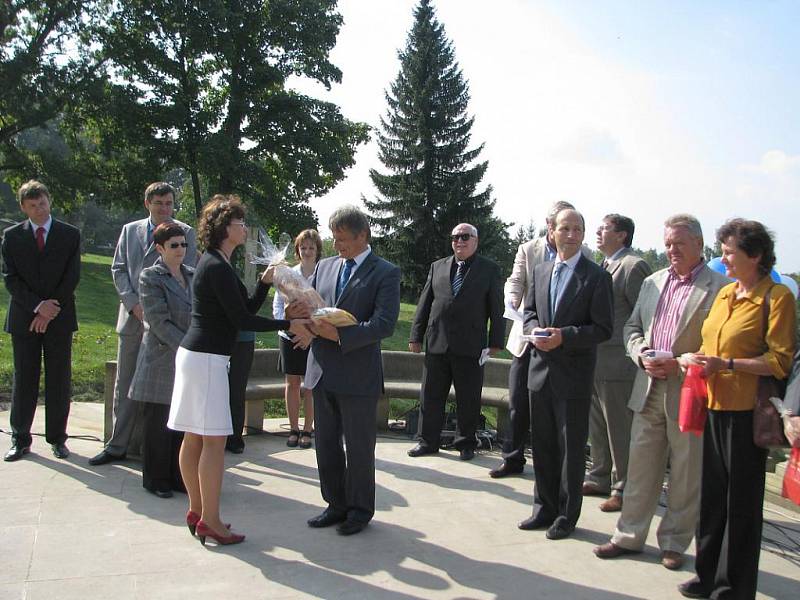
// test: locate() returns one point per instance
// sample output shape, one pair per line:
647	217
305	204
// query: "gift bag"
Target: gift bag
692	412
791	479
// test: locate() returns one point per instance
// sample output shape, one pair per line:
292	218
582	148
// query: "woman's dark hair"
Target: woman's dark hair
311	235
166	231
216	216
753	239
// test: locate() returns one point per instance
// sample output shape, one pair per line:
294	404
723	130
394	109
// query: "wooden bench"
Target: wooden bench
402	374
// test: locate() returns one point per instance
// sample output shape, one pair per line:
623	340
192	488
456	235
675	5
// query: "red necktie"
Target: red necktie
40	238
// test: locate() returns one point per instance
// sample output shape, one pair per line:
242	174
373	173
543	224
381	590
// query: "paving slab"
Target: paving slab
443	529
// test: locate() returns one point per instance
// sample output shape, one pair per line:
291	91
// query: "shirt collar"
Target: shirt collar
616	254
691	276
47	225
755	295
571	261
362	257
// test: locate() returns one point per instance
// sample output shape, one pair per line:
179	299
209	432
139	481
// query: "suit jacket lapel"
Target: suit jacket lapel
543	294
696	296
173	285
361	272
29	238
573	287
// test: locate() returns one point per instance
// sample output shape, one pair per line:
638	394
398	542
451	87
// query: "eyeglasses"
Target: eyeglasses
464	237
240	223
174	245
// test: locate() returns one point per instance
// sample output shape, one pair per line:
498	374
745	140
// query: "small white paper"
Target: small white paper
656	354
512	314
483	357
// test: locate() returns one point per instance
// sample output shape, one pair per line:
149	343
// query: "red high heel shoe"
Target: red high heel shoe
204	531
192	518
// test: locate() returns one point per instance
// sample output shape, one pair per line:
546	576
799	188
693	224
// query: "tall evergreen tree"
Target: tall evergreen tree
424	142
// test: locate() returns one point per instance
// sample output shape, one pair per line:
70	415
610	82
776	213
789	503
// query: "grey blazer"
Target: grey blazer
131	256
167	314
628	272
638	331
372	296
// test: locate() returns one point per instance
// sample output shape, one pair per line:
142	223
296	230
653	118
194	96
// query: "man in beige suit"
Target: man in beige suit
529	255
610	418
667	318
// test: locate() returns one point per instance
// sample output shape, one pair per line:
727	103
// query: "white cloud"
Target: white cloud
776	162
592	147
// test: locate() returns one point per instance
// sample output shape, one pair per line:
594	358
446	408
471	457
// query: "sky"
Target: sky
641	108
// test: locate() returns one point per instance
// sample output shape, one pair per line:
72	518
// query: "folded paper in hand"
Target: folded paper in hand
335	316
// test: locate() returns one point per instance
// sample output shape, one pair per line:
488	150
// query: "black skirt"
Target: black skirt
291	361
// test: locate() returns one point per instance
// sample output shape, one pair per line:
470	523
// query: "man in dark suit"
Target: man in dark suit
41	268
462	293
568	311
345	371
609	417
135	251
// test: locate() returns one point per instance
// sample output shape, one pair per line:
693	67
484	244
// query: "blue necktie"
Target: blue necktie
459	278
344	276
555	286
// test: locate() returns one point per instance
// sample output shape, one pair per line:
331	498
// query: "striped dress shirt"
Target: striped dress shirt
670	307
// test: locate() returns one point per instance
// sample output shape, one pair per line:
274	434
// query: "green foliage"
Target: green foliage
424	143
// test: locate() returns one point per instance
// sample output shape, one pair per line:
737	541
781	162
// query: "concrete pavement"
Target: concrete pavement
443	529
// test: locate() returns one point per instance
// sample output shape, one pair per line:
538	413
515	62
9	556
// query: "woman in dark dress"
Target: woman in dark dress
200	399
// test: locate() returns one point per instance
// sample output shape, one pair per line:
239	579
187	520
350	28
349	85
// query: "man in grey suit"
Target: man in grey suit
135	251
610	418
345	370
461	296
791	402
529	254
667	318
568	311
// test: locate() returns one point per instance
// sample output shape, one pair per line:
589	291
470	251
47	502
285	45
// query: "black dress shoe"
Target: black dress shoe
327	518
103	458
16	452
505	470
350	527
160	492
421	449
693	589
559	529
235	449
60	451
537	522
466	453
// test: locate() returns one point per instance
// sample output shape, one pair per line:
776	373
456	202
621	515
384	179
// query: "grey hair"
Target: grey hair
687	221
350	218
472	229
557	208
583	221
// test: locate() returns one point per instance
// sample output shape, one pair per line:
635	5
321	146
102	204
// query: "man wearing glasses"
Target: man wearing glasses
135	251
463	292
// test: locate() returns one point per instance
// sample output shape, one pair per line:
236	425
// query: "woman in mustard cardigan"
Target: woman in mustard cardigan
738	347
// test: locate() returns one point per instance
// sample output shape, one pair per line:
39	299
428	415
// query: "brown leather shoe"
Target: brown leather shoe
613	504
672	560
591	489
611	550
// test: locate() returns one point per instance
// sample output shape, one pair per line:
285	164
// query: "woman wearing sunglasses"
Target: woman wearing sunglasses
165	293
200	404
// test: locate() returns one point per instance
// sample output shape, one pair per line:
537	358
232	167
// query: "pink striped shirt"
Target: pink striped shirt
670	307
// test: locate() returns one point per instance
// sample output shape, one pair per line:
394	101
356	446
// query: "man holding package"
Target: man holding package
345	372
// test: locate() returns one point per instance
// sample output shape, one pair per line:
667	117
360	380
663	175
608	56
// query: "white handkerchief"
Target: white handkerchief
512	314
483	357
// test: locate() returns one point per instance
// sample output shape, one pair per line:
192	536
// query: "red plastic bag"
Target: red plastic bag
791	479
692	413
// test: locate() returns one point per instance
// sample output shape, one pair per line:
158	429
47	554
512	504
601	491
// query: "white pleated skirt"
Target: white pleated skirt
200	397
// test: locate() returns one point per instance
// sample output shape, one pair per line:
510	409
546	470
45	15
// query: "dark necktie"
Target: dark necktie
604	264
40	238
344	276
555	285
458	280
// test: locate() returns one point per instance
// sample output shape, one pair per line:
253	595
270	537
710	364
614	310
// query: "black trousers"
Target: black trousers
560	430
28	351
464	373
239	371
161	449
731	503
346	472
519	409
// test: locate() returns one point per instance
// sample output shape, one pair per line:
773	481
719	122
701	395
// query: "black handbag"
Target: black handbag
767	422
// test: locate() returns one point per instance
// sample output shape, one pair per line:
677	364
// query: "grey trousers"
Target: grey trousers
610	435
125	409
